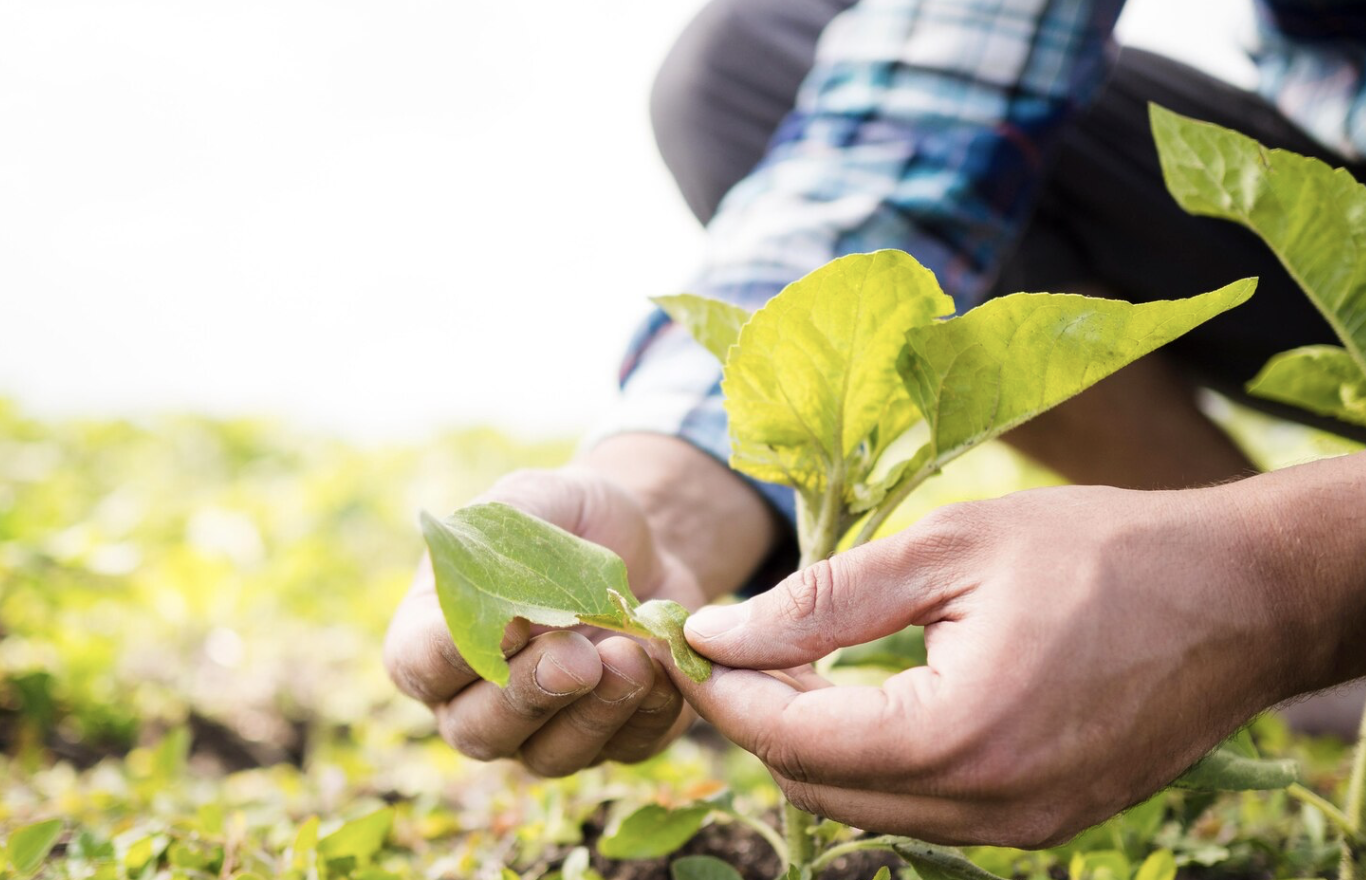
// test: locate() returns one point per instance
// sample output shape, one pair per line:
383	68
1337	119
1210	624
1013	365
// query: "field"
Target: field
190	619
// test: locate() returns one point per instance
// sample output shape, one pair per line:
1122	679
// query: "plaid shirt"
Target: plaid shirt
924	126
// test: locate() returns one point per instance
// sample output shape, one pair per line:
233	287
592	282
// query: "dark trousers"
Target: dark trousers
1104	222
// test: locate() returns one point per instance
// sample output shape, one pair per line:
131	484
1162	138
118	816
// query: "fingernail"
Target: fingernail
554	679
716	620
615	686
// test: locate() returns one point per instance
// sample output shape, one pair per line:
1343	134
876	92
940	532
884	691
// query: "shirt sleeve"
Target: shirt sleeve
924	125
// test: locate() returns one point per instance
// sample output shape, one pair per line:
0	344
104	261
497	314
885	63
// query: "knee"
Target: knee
685	90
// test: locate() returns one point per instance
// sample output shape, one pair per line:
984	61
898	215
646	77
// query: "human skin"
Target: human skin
688	529
1068	677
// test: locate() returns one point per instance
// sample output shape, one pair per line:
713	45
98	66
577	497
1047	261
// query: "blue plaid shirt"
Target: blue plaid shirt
924	125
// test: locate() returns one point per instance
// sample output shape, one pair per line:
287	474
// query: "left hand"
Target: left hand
1086	646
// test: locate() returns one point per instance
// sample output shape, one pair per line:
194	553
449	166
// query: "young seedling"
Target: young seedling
852	388
1314	219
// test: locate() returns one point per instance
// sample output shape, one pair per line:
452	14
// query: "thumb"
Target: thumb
853	597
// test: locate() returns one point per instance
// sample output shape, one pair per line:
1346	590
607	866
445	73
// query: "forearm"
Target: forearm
1307	530
699	510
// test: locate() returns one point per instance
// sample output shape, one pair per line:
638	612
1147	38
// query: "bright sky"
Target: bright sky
377	218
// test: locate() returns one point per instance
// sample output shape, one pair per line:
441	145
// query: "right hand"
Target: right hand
574	697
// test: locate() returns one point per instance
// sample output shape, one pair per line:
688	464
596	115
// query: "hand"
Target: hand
1086	645
574	698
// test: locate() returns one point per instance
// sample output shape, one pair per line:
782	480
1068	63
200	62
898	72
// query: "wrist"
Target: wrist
1303	534
699	510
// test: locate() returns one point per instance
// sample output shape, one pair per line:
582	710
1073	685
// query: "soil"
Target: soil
739	846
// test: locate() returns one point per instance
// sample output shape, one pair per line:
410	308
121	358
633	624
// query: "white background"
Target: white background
375	218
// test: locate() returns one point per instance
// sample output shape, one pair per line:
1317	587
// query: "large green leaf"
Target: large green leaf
815	369
1320	378
652	831
712	322
494	563
1312	216
979	375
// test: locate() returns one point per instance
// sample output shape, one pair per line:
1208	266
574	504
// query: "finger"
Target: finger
573	738
420	656
654	724
866	737
595	509
938	820
864	594
486	722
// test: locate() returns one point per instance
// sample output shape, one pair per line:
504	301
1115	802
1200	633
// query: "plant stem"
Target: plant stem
764	830
797	825
830	855
1324	806
1353	848
890	504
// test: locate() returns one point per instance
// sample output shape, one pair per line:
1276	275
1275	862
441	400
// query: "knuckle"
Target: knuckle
809	593
469	741
547	769
781	757
807	798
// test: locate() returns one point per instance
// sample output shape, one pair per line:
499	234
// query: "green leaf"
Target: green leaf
1320	378
494	563
652	831
664	619
702	868
933	862
305	844
171	755
883	873
712	322
1108	864
979	375
815	369
898	651
29	845
509	874
1225	770
1311	216
360	838
1161	865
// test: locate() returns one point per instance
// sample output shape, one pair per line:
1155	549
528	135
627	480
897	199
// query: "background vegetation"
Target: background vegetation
191	614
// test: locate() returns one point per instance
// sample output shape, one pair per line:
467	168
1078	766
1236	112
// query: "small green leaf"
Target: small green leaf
815	369
883	873
979	375
652	831
1225	770
305	844
1107	864
1320	378
1311	216
664	619
28	846
1161	865
714	323
898	651
171	755
702	868
933	862
509	874
360	838
494	563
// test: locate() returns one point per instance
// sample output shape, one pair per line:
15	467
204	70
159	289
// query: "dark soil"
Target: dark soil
739	846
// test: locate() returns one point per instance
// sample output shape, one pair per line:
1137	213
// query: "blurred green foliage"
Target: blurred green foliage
191	614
